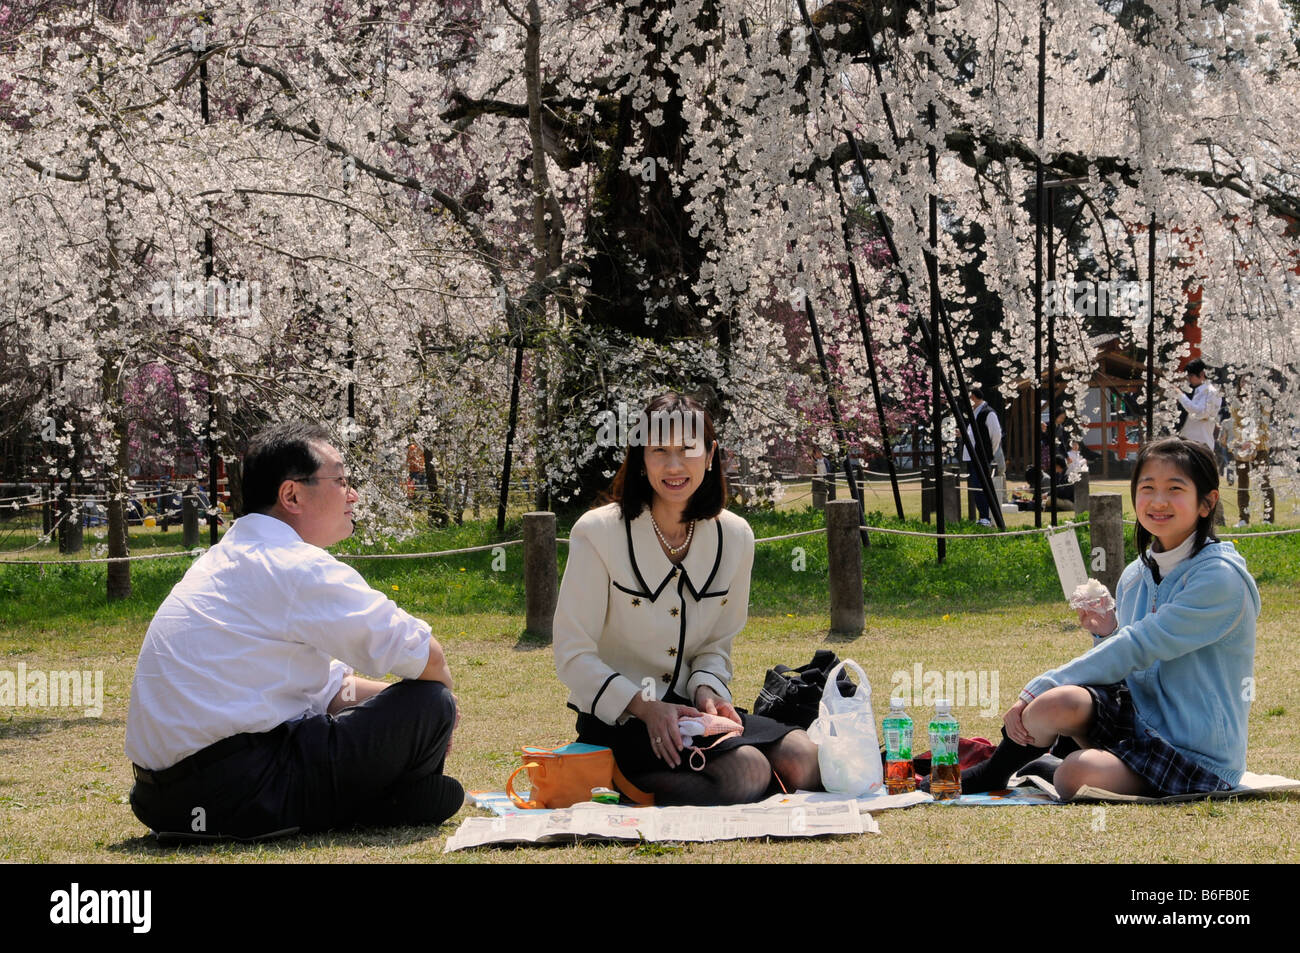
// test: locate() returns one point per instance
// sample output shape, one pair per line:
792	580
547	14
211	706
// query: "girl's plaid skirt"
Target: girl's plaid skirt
1117	728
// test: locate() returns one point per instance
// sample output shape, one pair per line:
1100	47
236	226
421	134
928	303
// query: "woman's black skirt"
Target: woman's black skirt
630	741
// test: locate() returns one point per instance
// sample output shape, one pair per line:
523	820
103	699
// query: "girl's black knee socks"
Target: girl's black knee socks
993	774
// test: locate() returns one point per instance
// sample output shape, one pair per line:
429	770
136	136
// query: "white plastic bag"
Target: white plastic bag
848	750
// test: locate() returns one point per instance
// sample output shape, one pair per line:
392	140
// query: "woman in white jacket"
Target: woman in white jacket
655	589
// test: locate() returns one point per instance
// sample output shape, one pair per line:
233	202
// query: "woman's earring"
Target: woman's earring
643	471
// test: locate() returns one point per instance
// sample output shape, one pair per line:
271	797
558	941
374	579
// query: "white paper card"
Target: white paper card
1069	561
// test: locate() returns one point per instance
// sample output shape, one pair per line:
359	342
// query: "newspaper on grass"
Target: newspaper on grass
590	820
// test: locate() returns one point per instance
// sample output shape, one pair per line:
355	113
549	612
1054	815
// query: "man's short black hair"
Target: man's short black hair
1196	367
281	452
977	391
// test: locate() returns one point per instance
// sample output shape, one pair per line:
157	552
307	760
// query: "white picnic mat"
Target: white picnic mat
1251	785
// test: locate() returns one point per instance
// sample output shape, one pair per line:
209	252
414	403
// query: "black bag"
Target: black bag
791	695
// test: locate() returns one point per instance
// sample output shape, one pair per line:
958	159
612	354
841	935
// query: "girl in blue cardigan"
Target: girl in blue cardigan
1158	706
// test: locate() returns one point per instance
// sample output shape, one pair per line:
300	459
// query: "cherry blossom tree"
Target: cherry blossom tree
634	194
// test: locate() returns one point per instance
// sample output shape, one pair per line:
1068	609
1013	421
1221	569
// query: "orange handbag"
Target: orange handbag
564	776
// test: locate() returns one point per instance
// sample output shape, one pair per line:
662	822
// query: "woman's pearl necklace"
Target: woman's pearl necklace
673	550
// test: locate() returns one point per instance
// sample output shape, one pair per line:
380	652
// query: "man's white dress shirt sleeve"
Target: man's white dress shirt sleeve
337	611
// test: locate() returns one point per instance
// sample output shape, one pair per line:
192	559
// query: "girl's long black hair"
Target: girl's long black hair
1197	463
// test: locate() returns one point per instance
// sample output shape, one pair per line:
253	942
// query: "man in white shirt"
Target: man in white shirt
1202	407
246	719
988	431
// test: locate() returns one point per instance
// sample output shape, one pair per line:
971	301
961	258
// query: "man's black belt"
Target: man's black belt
201	758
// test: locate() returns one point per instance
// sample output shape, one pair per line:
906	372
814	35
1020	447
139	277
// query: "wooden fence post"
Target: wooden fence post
951	497
1106	530
818	493
844	548
541	573
189	519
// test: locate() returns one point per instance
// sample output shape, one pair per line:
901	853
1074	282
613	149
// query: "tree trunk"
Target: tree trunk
112	381
234	469
640	231
437	509
119	574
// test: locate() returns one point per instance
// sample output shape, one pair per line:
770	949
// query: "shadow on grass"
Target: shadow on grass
148	846
529	642
44	724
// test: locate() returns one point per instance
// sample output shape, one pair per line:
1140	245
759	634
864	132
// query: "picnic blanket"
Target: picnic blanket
803	814
1251	785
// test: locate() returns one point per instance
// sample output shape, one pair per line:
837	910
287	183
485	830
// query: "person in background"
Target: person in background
1202	406
1250	414
1075	463
988	433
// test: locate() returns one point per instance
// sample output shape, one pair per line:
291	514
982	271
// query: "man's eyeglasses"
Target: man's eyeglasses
344	481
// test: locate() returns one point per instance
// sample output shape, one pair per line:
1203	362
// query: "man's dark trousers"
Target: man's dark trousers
377	763
976	487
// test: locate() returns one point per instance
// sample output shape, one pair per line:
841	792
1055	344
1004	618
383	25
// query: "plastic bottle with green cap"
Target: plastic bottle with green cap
899	776
945	766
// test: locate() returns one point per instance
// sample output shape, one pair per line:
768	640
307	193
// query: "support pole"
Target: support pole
961	409
1051	352
841	436
510	436
859	298
936	356
1039	194
214	493
1151	329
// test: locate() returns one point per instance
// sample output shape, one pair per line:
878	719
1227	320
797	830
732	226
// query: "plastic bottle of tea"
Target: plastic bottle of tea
945	767
899	777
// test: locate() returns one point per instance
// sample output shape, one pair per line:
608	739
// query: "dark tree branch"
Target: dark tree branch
979	150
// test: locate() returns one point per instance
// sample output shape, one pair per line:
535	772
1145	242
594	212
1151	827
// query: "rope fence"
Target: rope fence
844	547
187	554
486	547
1250	535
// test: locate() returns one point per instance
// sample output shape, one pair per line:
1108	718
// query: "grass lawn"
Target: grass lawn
995	607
